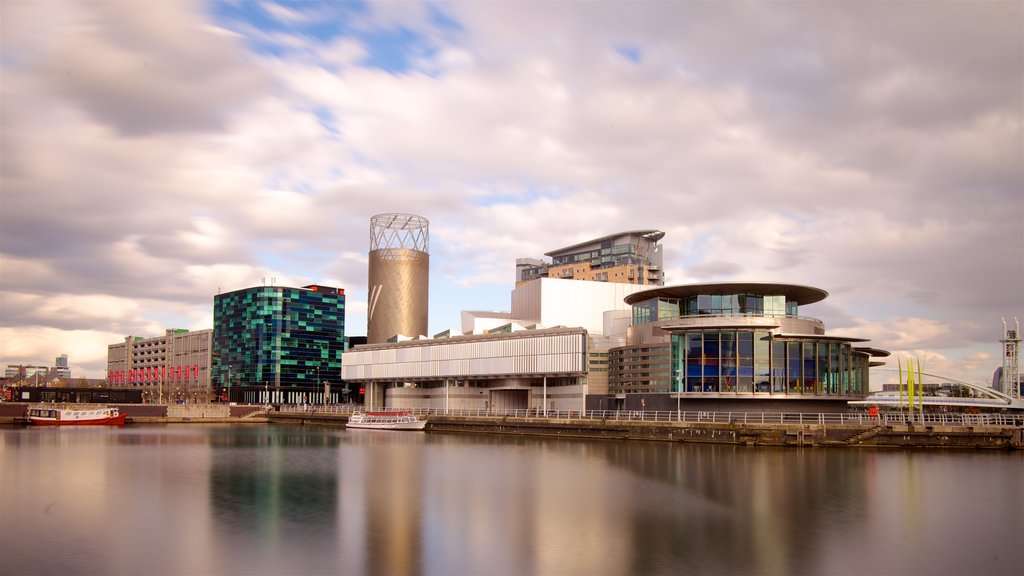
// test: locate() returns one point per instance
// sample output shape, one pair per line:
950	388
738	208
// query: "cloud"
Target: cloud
874	150
139	68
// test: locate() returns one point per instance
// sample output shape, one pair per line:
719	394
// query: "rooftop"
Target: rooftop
801	294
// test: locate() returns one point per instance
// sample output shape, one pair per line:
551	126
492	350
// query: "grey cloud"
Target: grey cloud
148	67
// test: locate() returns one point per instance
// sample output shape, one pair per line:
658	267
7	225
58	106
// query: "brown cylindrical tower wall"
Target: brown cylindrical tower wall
399	277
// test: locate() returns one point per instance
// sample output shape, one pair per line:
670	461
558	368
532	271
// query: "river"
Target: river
197	500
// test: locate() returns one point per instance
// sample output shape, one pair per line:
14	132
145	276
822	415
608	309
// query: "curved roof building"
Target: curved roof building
728	341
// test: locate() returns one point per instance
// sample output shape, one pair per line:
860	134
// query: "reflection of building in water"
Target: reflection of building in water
277	484
393	517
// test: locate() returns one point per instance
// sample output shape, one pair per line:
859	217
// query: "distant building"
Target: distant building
27	375
278	344
23	371
633	257
60	363
174	367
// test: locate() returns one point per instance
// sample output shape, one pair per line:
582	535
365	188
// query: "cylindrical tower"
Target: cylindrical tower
399	274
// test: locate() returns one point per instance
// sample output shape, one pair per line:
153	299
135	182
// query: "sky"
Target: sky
153	154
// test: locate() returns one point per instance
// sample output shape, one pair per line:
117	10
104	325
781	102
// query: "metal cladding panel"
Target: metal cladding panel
515	355
571	303
398	282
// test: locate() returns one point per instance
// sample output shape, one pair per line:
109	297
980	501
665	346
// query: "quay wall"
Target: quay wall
735	433
743	434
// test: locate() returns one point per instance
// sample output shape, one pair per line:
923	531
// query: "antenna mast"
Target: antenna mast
1011	360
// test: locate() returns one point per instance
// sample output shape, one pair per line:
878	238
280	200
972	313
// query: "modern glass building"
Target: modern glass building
271	340
735	340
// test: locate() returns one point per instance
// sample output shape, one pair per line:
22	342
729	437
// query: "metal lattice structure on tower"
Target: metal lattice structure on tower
398	277
1011	360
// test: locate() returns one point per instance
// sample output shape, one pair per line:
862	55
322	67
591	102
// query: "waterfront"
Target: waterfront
216	499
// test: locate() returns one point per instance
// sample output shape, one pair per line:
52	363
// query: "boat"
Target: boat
75	416
386	421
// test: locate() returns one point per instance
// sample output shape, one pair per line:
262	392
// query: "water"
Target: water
217	500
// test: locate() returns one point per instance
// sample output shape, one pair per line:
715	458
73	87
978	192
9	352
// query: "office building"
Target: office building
279	344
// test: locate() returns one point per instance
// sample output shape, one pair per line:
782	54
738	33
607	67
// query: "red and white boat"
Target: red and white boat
75	416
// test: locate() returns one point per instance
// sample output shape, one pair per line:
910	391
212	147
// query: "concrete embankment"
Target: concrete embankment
845	435
737	433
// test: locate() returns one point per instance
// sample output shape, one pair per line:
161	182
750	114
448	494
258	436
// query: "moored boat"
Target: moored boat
75	416
386	421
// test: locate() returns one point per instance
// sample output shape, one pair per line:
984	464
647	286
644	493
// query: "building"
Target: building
633	257
279	344
23	371
60	369
740	346
635	344
174	367
515	370
60	363
398	277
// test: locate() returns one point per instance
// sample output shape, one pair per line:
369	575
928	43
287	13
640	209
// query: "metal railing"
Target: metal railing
851	418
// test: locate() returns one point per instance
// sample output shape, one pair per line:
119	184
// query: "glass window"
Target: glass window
728	347
835	370
745	362
794	364
823	369
668	309
704	304
810	371
691	306
778	367
762	361
694	359
711	361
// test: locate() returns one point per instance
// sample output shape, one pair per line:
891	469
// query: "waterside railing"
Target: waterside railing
852	418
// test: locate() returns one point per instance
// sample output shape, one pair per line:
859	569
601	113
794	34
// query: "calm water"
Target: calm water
210	500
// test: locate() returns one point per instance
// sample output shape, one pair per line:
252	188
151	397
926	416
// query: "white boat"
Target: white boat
386	421
69	415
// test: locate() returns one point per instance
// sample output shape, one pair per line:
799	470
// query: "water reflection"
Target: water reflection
270	500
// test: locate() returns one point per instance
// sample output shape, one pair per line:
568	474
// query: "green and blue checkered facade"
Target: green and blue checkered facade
278	337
